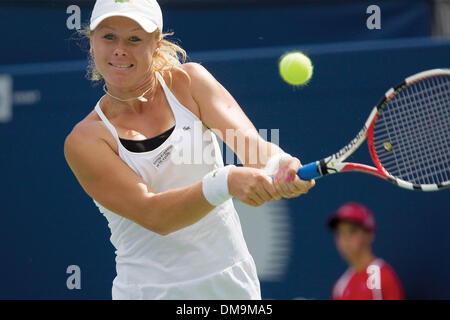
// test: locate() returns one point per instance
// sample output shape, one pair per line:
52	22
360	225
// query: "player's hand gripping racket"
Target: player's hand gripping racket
408	134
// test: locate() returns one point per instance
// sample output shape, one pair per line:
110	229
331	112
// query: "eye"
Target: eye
134	39
109	36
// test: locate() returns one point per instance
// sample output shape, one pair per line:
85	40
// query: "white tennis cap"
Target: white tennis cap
145	12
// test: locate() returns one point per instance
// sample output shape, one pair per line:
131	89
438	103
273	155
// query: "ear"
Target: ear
91	46
371	237
158	40
158	45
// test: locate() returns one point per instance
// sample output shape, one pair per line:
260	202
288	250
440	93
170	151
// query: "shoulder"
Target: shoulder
204	87
194	69
85	133
187	82
383	265
341	283
90	126
85	128
387	272
390	283
201	78
184	73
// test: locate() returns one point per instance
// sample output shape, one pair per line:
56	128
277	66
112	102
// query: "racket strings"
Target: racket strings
412	133
428	155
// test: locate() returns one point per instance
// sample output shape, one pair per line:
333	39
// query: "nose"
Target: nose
120	51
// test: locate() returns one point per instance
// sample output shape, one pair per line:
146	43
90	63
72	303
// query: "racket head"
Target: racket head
409	133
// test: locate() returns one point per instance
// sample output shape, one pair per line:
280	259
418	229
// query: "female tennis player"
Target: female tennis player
173	224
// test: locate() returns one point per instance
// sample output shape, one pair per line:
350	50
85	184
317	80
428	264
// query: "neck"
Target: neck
133	99
362	261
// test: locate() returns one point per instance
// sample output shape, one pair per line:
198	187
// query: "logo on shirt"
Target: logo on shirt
162	157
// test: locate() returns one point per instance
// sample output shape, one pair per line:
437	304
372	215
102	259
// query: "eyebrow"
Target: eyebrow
106	27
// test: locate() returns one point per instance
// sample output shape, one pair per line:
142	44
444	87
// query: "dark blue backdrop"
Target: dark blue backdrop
44	36
49	223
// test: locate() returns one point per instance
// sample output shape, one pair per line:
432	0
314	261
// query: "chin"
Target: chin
120	80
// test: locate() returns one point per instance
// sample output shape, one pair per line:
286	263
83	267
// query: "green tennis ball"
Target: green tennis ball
295	68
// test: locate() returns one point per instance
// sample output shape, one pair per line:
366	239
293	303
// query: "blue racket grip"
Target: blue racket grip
309	171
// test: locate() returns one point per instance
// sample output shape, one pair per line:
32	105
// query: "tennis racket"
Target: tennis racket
408	135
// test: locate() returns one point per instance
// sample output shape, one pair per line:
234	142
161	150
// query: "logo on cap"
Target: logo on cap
121	1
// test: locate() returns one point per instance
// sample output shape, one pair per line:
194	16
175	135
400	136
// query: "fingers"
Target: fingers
302	186
251	202
283	184
263	190
257	197
254	187
289	185
269	187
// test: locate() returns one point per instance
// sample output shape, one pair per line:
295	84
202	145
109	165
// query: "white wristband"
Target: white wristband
215	185
272	165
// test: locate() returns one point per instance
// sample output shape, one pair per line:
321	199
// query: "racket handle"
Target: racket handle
309	171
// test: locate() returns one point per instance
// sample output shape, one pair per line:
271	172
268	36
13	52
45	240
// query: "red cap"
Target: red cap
353	212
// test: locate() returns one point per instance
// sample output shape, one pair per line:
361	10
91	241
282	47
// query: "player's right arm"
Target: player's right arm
105	177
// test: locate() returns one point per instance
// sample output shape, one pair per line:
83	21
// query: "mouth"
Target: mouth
121	66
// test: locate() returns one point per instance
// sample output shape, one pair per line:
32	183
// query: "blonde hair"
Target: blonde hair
168	55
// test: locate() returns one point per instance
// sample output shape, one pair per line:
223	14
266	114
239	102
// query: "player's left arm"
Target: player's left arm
220	112
390	285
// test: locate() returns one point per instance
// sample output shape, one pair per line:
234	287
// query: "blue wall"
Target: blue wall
44	36
49	223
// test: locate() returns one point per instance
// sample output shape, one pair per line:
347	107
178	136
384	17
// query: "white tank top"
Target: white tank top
206	260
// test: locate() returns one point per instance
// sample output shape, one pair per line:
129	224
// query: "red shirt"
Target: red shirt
377	281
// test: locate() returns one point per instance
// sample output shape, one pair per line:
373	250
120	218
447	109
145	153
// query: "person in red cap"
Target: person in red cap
368	277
